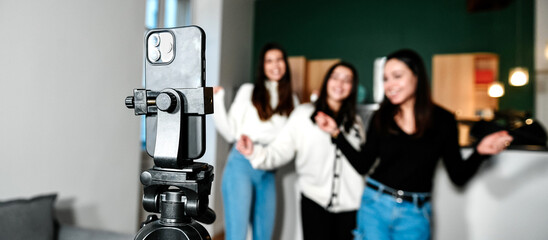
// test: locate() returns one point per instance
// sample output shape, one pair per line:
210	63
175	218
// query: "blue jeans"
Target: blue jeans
381	216
249	196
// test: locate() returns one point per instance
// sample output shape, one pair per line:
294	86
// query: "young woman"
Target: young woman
259	111
409	133
330	187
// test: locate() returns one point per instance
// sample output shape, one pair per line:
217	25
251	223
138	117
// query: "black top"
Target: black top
407	162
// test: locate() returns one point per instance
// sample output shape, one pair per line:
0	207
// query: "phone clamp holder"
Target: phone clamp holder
176	187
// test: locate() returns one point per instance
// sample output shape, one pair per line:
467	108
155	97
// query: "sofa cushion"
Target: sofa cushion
67	232
25	219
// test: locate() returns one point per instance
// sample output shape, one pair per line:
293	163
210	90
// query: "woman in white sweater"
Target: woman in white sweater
329	184
259	110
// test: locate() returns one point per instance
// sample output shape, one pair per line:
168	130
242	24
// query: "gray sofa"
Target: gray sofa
34	219
76	233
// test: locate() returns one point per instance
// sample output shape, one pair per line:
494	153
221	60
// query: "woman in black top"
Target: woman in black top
409	133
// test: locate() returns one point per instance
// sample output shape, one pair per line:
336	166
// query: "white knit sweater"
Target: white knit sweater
243	118
317	160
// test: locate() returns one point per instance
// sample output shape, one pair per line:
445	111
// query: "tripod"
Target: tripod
178	207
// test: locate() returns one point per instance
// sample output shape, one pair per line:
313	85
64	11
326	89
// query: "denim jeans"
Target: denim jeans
249	196
381	216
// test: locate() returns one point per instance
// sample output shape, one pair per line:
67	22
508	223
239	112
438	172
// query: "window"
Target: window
168	13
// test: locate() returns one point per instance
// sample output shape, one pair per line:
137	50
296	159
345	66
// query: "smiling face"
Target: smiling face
274	65
400	83
339	84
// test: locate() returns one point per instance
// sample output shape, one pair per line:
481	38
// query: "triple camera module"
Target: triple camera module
160	47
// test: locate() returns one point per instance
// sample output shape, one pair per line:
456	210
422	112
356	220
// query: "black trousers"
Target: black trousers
319	224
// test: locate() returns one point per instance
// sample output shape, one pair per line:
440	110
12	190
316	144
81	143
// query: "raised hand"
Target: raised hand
494	143
327	124
245	145
216	89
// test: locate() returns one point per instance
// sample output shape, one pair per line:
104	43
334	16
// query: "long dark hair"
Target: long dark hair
261	97
423	99
347	113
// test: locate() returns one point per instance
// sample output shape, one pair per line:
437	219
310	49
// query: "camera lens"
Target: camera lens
154	40
154	54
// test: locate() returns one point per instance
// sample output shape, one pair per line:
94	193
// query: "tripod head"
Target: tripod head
175	103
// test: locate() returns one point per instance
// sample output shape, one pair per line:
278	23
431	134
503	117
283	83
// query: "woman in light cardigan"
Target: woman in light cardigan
330	187
259	110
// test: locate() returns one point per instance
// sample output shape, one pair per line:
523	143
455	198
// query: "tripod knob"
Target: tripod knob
166	101
139	102
129	102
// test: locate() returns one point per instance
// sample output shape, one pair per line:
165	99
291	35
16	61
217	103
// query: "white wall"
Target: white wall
66	68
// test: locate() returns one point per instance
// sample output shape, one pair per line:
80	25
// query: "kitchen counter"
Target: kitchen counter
507	199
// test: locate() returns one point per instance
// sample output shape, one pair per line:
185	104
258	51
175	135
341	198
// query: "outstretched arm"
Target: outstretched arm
494	143
277	153
361	160
461	171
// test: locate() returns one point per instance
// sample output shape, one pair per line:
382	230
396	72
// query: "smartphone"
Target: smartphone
175	58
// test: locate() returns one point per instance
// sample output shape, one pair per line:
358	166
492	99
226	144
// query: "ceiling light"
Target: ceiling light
519	76
496	90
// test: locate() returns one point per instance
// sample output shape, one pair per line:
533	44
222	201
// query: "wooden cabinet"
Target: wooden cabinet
297	67
307	75
460	83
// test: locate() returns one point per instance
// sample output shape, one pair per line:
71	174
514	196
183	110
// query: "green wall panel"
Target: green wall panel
360	31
